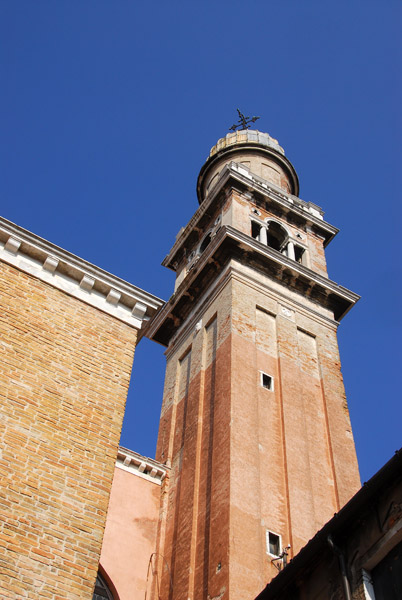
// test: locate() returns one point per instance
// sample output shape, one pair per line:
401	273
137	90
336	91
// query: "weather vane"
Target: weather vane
244	122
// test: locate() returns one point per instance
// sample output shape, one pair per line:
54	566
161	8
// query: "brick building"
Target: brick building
68	333
255	450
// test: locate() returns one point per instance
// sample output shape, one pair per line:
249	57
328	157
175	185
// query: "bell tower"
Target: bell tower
254	423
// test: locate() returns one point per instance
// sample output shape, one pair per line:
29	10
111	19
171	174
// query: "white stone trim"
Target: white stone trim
227	231
87	283
311	213
51	264
74	276
243	275
12	245
269	532
113	297
139	465
327	284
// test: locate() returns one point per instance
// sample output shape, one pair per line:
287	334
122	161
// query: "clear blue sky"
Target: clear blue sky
109	109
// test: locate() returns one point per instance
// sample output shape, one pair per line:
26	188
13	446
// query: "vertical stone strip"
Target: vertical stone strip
177	542
316	430
301	500
340	431
206	464
164	452
194	559
279	493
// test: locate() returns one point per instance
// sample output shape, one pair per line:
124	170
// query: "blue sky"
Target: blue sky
109	109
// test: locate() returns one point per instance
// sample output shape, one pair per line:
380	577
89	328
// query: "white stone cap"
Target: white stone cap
244	136
280	194
144	467
75	276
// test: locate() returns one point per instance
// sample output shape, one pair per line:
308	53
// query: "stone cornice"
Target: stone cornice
298	269
75	276
230	243
230	273
139	465
310	213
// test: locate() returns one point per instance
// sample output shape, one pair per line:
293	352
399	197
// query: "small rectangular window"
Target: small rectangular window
267	381
273	543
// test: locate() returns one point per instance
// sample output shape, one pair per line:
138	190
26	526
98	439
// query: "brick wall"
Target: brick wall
246	459
64	375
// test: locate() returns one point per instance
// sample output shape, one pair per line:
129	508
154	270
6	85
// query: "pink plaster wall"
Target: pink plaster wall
130	534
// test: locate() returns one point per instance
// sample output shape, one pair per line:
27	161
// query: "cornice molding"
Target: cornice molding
297	268
307	211
226	243
139	465
75	276
232	273
199	310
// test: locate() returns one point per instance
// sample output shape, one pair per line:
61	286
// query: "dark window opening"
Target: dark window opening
277	236
205	242
299	255
274	543
387	576
255	230
267	381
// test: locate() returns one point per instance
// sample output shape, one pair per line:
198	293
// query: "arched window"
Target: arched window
102	590
271	233
255	230
277	236
274	235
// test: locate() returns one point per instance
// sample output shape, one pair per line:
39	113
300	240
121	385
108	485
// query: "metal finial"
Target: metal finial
243	122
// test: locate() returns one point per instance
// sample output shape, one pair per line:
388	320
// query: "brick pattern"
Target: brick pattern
246	459
64	376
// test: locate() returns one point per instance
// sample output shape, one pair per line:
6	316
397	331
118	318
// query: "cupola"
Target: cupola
258	152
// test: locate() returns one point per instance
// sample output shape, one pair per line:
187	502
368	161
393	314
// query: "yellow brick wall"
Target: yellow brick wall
64	373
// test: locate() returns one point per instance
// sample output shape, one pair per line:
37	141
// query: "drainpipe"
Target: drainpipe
342	566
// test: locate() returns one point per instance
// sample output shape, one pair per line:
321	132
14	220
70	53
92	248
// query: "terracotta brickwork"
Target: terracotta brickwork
254	422
246	459
358	553
195	438
297	476
64	374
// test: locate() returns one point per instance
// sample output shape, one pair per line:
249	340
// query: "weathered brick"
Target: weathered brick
64	375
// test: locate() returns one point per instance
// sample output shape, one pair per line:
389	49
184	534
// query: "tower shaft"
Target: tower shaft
254	422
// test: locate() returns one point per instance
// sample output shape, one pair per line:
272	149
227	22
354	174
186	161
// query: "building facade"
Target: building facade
68	332
255	451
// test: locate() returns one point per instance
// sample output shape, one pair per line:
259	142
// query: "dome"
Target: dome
255	150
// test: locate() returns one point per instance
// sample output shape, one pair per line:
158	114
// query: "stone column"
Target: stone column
291	251
263	236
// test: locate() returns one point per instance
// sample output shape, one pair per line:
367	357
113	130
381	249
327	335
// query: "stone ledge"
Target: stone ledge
75	276
310	213
229	243
144	467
